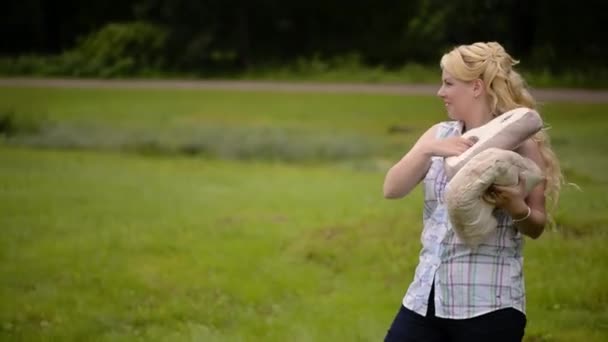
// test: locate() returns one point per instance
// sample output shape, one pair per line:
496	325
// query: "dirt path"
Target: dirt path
543	95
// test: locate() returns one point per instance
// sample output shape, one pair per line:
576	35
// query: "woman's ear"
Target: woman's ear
478	88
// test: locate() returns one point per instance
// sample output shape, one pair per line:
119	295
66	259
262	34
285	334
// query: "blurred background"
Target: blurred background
148	193
559	42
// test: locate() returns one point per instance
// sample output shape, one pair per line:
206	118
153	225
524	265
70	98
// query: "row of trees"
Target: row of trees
200	34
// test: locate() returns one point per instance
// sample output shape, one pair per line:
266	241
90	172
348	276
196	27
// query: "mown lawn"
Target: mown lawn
251	216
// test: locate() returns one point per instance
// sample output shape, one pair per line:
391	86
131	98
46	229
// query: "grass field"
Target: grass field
251	216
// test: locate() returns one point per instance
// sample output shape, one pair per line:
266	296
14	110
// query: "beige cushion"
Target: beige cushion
470	214
506	131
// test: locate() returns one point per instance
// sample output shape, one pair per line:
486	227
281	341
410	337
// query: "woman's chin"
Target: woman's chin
453	116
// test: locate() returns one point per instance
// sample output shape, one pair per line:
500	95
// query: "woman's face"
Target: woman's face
457	95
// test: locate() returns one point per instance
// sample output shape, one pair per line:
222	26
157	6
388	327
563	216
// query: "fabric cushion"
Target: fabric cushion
470	214
506	131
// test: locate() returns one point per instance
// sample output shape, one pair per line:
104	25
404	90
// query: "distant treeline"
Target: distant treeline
194	35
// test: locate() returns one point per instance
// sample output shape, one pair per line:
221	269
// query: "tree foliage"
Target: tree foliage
215	34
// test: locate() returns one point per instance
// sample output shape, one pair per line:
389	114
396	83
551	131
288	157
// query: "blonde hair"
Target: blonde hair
506	90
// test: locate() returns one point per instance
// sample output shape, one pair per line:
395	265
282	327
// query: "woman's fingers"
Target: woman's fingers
464	144
490	198
468	142
455	146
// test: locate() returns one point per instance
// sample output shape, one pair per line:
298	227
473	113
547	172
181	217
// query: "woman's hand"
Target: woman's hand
509	198
447	147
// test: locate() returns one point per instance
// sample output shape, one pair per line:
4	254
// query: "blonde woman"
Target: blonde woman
459	294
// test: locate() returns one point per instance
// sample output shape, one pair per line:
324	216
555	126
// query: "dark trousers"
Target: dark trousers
505	325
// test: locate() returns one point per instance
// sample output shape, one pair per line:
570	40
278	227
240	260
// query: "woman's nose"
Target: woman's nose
440	92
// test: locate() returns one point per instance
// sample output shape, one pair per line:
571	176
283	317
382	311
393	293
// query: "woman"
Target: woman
459	294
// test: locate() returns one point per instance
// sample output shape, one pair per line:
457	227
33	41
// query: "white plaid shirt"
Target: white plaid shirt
468	283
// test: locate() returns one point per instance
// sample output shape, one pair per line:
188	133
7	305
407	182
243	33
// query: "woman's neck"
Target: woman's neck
478	117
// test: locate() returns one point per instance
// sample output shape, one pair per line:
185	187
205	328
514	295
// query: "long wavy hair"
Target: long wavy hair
507	90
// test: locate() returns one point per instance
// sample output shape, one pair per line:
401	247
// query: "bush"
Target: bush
13	125
118	49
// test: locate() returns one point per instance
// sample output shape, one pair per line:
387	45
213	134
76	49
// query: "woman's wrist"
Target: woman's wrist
522	217
520	211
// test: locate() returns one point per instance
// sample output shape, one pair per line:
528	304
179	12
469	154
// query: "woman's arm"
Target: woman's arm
513	200
403	176
409	171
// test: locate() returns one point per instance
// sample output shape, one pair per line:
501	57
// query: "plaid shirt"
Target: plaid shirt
468	283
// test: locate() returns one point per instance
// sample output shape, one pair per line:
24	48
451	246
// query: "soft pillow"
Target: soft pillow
506	131
470	214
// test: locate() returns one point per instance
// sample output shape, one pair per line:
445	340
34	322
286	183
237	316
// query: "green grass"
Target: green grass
135	246
352	71
345	69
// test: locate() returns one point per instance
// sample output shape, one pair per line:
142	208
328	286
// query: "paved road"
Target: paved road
543	95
